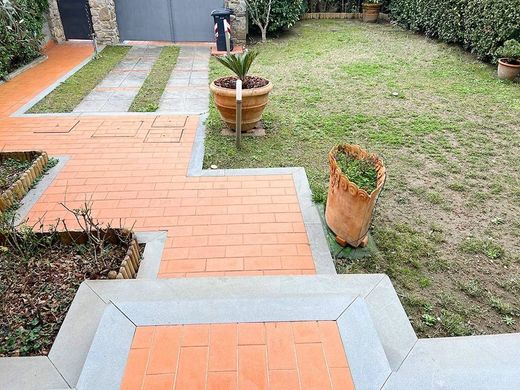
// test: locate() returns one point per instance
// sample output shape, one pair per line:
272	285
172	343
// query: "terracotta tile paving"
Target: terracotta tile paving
281	356
216	225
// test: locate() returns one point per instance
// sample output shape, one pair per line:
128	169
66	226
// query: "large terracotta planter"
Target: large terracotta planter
371	12
254	101
507	71
349	208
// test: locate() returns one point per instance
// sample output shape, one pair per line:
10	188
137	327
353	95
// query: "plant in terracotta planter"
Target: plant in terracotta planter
371	10
509	63
255	92
356	180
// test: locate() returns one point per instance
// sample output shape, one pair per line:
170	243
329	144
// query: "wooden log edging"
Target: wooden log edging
332	15
130	264
341	15
20	187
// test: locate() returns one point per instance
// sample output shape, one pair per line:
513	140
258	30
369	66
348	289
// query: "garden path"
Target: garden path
118	89
135	167
187	90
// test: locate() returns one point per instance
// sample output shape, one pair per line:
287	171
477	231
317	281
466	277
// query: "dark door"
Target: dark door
76	19
192	20
144	20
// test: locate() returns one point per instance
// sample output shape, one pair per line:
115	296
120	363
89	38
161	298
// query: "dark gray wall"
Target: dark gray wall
166	20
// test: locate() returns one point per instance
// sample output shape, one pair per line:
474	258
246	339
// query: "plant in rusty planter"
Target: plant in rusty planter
255	92
356	180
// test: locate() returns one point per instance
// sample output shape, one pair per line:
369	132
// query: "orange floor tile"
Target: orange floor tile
281	356
217	226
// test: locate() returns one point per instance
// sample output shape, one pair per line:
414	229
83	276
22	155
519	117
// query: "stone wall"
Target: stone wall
239	25
54	20
104	21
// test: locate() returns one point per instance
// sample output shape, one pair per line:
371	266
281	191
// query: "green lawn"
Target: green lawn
147	100
72	91
447	227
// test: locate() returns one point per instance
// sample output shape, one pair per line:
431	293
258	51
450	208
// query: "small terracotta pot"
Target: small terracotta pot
507	71
349	208
371	12
254	101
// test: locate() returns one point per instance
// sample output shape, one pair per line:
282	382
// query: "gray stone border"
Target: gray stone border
311	218
239	300
151	261
62	367
22	69
32	197
365	308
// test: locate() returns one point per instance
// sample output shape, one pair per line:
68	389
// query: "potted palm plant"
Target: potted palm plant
356	180
509	63
371	10
255	92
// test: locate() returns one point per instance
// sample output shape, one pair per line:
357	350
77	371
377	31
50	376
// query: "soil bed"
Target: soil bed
249	83
10	171
39	277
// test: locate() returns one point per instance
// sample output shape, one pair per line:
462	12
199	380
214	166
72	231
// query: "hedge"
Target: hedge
284	14
481	26
21	23
337	5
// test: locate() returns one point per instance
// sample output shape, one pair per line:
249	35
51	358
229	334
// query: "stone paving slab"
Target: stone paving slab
187	89
461	363
116	92
30	373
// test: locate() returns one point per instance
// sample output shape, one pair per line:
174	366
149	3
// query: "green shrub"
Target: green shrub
481	26
510	50
284	14
21	23
339	5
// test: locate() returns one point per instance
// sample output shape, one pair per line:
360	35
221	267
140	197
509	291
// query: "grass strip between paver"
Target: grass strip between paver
72	91
147	100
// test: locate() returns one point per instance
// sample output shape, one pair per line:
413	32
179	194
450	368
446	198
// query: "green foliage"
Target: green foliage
481	26
239	64
21	23
362	172
284	14
10	171
510	50
340	5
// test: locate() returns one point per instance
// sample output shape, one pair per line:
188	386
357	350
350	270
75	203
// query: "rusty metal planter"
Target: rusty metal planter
349	208
20	187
